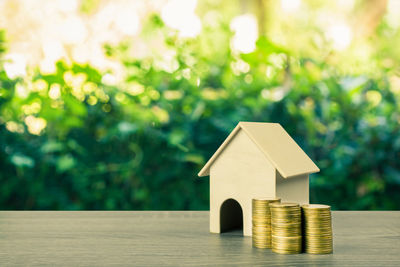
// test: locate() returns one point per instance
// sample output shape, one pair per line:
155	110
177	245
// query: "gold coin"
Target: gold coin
261	221
316	207
317	228
286	228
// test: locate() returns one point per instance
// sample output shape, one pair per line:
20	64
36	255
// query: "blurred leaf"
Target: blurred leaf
20	160
52	146
127	127
65	163
107	146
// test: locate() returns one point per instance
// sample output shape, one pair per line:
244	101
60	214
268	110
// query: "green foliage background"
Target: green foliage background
139	145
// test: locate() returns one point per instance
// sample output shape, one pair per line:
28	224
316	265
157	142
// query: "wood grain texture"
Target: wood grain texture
92	238
241	172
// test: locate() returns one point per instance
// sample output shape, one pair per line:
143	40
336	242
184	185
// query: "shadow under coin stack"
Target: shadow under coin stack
317	229
286	228
262	222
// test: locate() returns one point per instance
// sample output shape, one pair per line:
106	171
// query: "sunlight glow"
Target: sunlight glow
340	35
53	51
21	90
134	89
67	5
374	97
80	53
393	13
290	5
39	85
109	79
168	61
14	127
33	108
246	33
15	65
47	66
161	114
346	4
273	94
127	22
92	100
35	125
395	84
55	91
240	67
173	94
180	15
73	30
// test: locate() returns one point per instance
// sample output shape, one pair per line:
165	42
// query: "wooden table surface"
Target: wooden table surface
159	238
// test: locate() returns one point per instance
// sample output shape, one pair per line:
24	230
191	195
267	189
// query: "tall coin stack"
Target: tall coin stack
262	222
317	228
286	228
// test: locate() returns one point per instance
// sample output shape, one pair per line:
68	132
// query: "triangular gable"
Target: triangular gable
276	144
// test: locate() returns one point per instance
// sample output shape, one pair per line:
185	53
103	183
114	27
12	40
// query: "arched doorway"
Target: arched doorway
231	216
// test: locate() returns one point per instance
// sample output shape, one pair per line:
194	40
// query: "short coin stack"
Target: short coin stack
286	228
262	222
317	229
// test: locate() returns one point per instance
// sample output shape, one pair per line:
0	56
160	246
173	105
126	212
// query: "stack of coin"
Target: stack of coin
262	222
286	228
317	227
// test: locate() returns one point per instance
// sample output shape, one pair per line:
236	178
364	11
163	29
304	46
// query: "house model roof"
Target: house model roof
276	144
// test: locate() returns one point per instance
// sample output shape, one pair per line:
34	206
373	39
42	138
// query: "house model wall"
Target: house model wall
256	160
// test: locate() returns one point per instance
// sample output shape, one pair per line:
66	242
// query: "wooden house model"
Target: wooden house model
255	160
